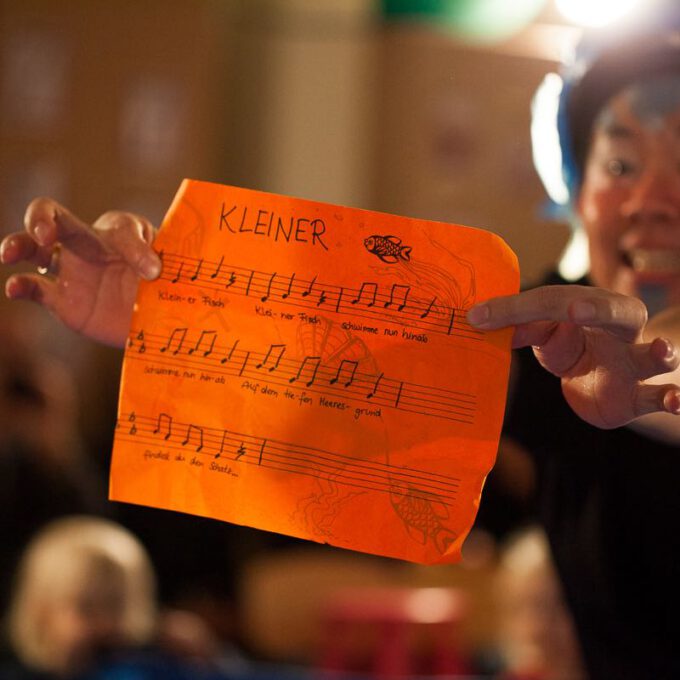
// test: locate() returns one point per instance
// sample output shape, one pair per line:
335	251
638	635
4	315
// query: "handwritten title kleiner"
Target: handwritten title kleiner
267	223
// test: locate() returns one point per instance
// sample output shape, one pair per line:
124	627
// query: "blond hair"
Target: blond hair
72	554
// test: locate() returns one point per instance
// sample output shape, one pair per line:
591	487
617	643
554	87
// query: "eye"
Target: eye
617	167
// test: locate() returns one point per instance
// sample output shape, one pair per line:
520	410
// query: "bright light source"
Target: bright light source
546	140
595	13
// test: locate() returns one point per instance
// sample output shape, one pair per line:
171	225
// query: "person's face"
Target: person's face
82	624
629	203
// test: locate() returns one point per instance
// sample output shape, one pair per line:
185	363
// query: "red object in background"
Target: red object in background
395	632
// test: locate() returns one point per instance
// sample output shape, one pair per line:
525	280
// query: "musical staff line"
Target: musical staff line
281	456
272	366
388	303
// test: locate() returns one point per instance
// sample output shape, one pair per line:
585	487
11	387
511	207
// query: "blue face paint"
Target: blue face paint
649	101
653	100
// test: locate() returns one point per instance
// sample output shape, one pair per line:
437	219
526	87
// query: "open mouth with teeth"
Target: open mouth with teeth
653	262
656	271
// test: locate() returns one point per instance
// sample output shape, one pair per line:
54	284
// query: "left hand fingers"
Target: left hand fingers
33	287
130	236
620	315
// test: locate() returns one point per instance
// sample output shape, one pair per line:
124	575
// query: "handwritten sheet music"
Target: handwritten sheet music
308	369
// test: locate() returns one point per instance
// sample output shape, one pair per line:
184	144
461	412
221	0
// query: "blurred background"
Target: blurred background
416	108
404	107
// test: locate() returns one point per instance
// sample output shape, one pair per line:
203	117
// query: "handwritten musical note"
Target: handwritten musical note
132	419
216	273
231	281
265	297
180	334
223	442
198	270
179	273
290	287
371	394
366	286
231	353
210	342
164	422
307	292
241	451
400	292
314	362
426	313
353	370
274	352
195	430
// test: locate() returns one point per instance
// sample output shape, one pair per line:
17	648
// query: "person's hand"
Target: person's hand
87	275
592	339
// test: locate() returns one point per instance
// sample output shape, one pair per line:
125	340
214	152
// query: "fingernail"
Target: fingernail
11	289
41	231
149	267
479	315
670	349
4	247
673	403
583	311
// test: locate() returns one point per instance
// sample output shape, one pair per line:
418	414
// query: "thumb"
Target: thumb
130	237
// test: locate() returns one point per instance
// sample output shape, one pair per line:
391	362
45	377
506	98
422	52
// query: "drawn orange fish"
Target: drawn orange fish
387	248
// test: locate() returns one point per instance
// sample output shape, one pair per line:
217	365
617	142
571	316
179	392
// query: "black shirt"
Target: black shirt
609	501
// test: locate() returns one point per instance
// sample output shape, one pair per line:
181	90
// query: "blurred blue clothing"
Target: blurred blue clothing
151	665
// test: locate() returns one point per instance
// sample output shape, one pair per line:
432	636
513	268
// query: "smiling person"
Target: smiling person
608	499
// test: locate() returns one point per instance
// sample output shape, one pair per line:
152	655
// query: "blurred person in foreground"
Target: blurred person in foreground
85	607
536	637
607	497
42	457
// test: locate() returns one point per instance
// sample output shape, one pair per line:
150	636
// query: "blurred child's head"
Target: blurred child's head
537	632
84	586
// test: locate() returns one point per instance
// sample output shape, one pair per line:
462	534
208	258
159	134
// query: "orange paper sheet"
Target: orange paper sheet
308	369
